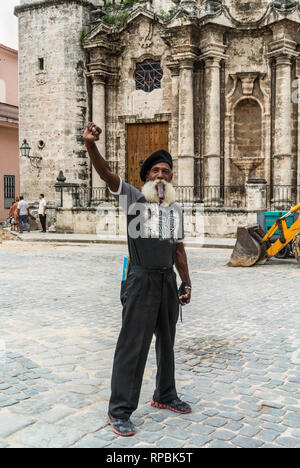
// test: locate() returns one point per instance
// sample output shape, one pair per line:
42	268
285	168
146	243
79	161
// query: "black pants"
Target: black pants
150	305
43	222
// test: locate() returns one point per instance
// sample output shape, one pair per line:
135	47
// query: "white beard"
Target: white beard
150	193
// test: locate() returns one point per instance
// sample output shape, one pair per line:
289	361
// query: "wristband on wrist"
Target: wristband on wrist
89	145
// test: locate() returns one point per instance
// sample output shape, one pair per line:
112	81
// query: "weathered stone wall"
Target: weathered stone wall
109	222
133	105
247	10
53	100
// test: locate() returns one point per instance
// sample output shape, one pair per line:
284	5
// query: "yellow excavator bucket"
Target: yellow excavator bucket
248	249
254	246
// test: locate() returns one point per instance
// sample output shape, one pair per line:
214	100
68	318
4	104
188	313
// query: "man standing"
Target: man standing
42	211
23	214
149	294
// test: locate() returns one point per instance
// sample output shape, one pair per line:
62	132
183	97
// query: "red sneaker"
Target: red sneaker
176	405
122	427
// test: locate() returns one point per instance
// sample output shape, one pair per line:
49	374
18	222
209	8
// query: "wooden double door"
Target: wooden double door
143	140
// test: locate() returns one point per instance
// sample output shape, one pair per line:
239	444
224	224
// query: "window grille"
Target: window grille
9	190
148	75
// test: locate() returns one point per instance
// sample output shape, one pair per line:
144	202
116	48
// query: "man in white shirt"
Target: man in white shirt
42	211
23	213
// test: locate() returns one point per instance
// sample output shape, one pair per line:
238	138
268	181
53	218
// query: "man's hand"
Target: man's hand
185	298
183	270
92	133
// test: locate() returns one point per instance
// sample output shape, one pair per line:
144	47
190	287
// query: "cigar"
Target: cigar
161	190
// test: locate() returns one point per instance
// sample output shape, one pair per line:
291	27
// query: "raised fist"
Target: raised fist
92	133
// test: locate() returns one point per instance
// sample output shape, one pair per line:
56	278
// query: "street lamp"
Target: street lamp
25	152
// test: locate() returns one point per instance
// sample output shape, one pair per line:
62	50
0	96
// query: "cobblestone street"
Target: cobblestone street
237	352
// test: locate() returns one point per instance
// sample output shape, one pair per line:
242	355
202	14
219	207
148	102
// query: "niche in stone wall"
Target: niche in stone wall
247	129
247	142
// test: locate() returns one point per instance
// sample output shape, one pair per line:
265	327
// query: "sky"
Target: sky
8	23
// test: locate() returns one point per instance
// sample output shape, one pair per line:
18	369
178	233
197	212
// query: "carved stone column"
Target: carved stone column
174	68
283	120
212	142
99	118
186	123
284	50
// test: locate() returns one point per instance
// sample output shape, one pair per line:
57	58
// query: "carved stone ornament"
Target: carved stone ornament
212	7
284	5
61	178
247	80
146	33
189	6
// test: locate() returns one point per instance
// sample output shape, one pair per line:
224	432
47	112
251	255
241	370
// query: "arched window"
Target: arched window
2	91
148	75
247	129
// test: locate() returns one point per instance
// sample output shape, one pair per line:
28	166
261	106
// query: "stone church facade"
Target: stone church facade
213	82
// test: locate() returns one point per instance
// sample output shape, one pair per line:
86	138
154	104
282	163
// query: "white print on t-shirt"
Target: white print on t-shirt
155	221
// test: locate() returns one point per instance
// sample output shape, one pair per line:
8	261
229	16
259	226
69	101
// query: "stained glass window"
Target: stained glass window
148	75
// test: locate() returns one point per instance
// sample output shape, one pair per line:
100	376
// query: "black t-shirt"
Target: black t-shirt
153	229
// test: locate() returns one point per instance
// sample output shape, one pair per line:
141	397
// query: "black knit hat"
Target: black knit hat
155	158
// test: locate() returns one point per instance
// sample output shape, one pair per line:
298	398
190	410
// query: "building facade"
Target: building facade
9	140
213	82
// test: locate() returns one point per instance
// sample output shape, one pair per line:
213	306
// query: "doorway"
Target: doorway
143	140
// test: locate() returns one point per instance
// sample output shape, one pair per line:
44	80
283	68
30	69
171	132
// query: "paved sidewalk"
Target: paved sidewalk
237	352
36	236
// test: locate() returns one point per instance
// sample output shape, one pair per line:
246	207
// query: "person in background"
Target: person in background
23	214
42	212
13	215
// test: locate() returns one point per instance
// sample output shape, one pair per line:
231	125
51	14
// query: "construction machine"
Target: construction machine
254	246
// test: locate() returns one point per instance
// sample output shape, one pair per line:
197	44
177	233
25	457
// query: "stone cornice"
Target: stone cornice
283	47
99	71
48	3
185	59
113	48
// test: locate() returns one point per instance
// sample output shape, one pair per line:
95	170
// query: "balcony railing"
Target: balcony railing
282	197
230	196
85	197
8	111
277	198
233	196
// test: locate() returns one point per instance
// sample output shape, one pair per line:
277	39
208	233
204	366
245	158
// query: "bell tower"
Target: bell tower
52	92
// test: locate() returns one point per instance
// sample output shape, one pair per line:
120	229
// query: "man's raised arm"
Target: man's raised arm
90	136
